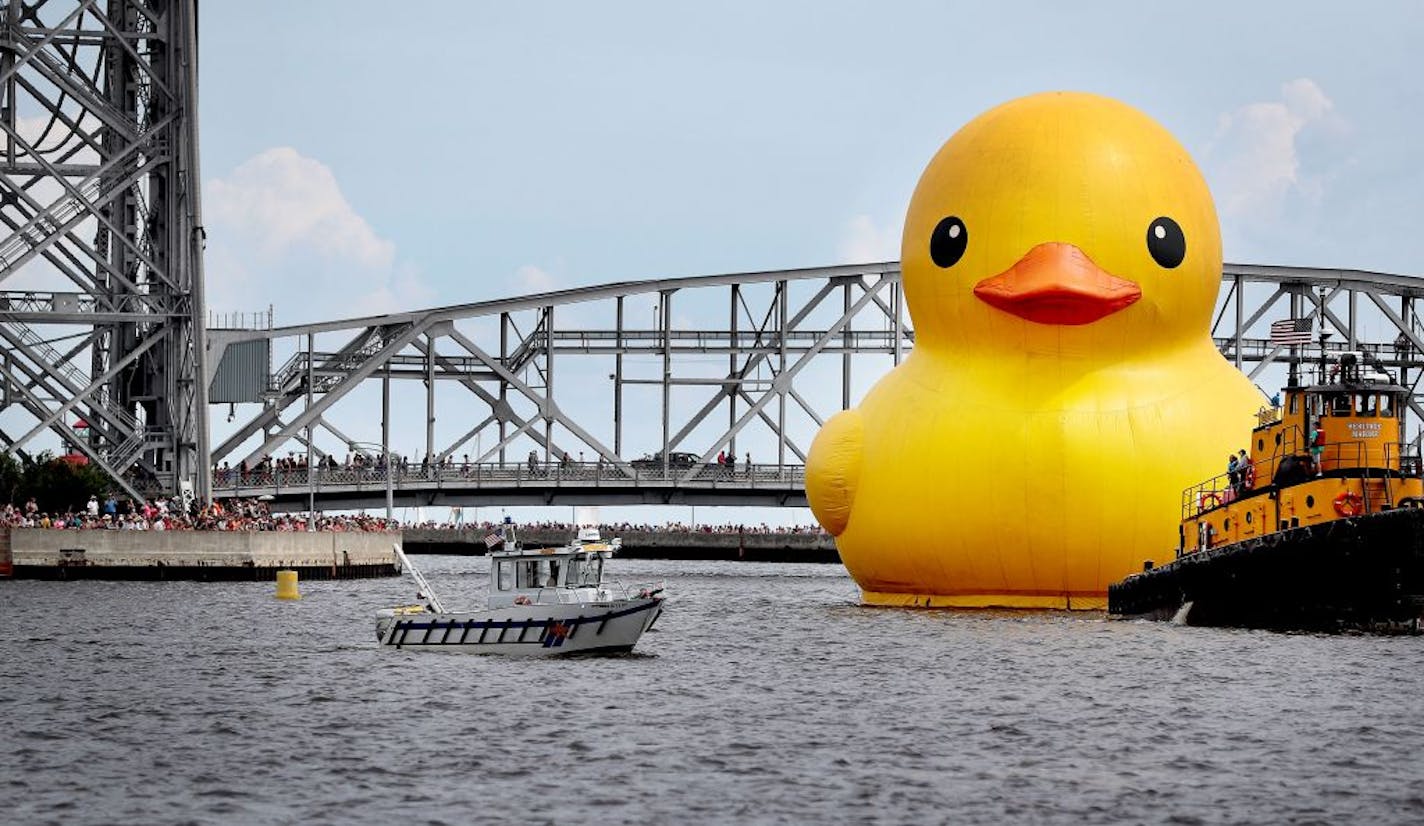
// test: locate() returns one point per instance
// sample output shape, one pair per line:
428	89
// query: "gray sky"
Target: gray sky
363	156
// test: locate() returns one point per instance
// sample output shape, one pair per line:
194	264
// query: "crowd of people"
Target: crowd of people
173	514
238	514
375	465
616	528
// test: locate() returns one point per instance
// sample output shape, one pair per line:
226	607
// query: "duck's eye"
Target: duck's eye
948	241
1166	242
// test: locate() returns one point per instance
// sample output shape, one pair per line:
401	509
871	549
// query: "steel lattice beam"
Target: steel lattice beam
750	361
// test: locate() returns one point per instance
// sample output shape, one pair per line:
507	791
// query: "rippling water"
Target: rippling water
765	695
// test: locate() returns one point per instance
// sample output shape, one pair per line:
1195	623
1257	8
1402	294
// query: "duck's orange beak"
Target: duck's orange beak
1057	283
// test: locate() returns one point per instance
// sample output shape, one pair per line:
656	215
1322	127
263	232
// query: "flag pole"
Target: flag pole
1293	377
1323	334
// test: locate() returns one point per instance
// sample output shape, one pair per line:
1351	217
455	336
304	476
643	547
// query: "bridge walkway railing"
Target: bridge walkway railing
229	482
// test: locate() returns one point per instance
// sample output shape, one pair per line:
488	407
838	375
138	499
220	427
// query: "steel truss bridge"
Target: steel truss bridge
757	362
553	398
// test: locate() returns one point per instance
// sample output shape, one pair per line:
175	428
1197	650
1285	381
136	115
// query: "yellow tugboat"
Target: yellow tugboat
1319	526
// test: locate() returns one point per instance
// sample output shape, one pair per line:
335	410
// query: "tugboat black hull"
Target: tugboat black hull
1361	573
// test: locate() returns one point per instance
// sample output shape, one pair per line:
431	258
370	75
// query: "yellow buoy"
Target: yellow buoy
287	585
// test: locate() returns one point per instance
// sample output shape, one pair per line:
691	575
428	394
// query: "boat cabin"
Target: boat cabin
1330	450
1349	422
542	576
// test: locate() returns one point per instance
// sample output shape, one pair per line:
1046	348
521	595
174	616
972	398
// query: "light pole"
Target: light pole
385	457
311	485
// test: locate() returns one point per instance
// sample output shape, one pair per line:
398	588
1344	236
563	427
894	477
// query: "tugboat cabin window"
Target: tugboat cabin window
1294	403
504	580
1339	405
1386	407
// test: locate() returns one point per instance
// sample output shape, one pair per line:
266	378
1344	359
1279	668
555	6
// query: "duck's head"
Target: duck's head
1061	221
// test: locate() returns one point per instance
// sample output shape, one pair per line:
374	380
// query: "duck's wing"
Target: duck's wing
833	469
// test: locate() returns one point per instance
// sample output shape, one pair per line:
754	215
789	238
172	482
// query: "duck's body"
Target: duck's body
1033	450
989	492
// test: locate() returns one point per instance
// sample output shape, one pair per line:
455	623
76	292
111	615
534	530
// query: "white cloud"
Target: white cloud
405	291
280	231
532	279
283	201
1255	158
864	242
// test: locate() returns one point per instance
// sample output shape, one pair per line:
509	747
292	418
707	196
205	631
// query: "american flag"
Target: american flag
1291	331
493	539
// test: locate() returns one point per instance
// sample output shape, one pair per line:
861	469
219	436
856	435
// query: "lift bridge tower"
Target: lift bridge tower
101	276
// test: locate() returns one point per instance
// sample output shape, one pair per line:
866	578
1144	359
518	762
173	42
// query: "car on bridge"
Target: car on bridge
654	461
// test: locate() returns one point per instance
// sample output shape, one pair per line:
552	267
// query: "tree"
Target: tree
12	477
59	485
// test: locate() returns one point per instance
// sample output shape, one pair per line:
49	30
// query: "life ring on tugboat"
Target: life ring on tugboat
523	601
1207	501
1349	503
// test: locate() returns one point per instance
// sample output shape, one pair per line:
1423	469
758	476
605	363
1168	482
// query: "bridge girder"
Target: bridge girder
761	370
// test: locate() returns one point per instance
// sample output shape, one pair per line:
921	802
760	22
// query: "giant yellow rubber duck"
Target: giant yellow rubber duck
1061	260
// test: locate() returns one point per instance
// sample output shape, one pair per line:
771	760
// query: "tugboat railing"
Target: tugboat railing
1398	460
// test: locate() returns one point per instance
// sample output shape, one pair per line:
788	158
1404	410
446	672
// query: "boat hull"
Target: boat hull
1360	573
525	630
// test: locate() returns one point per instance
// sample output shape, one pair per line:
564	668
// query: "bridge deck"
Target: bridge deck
343	488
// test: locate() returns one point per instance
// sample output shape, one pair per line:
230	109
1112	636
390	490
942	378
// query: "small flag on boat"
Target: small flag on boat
1291	331
493	539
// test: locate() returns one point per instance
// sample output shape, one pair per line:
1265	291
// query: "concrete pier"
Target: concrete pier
749	546
40	553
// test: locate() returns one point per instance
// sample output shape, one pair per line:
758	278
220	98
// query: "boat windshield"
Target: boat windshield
585	571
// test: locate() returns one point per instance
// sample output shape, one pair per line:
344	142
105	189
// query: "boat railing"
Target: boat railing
552	596
1294	442
1204	496
1363	455
1406	458
1359	456
612	588
634	591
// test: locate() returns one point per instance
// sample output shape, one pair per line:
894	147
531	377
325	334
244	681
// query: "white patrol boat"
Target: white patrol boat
545	601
